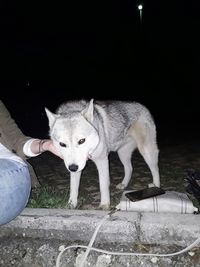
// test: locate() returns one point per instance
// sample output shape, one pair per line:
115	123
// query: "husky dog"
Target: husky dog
83	130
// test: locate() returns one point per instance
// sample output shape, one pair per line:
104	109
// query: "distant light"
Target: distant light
140	7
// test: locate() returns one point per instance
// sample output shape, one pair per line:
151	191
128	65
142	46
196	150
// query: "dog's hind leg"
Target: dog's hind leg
145	137
74	187
104	181
150	154
125	154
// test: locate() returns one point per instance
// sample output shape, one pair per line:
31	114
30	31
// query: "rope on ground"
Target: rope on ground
90	248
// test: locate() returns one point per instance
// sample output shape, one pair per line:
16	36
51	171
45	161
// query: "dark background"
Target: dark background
54	51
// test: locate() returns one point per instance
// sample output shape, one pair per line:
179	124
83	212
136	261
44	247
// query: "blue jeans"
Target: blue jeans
15	187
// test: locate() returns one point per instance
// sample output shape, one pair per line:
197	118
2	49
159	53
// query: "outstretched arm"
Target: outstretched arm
34	147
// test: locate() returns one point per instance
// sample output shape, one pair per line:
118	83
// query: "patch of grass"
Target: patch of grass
47	197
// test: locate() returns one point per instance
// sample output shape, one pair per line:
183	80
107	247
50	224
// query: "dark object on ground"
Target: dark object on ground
193	179
144	193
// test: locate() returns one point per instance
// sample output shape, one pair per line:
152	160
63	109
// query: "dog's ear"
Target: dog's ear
89	111
51	117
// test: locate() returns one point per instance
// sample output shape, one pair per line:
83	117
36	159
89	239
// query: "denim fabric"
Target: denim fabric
15	187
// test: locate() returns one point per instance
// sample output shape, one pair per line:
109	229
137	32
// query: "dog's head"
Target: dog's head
74	136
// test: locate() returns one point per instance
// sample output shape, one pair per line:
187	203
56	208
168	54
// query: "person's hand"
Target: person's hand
47	145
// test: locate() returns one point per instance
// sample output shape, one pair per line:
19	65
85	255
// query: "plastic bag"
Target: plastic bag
171	201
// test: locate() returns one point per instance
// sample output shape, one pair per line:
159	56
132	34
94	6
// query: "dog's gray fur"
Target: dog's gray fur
84	130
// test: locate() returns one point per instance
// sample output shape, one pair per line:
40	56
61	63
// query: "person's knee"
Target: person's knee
15	186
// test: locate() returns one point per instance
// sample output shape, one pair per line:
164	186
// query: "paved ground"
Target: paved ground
28	252
33	239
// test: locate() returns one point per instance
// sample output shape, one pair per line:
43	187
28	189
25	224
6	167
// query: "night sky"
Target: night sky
54	51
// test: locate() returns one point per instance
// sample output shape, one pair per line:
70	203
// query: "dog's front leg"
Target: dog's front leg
104	181
74	187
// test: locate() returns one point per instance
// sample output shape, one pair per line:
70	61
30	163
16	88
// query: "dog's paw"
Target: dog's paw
71	204
153	185
120	186
104	206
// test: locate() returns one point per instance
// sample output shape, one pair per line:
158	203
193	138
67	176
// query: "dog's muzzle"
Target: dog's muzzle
73	167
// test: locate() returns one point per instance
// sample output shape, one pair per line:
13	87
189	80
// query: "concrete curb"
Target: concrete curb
122	227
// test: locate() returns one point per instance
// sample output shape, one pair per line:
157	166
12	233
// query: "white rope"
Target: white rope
93	239
89	248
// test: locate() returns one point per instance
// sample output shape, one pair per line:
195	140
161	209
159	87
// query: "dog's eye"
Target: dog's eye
62	144
81	141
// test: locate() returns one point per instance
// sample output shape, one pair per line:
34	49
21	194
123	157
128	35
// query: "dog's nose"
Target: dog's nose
73	167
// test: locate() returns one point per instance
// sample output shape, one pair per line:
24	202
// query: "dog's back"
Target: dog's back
119	117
